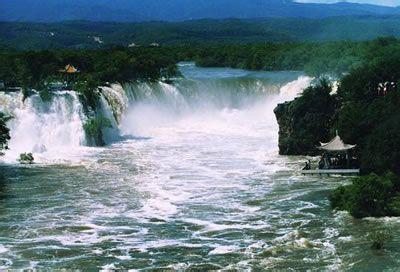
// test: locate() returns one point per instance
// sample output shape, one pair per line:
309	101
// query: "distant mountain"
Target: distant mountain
175	10
86	34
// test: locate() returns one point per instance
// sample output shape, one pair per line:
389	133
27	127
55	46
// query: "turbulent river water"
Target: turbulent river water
191	180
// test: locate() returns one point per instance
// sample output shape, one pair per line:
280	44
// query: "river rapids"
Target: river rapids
190	180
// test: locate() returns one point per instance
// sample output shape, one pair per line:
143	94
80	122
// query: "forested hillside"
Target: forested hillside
81	34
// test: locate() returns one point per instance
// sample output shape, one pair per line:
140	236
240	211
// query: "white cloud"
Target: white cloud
392	3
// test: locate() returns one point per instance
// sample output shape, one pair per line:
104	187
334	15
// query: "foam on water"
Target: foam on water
3	249
196	127
196	182
52	131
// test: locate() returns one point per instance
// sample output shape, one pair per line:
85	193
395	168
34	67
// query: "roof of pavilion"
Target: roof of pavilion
336	145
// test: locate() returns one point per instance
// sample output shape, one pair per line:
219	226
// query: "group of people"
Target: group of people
333	162
329	162
385	88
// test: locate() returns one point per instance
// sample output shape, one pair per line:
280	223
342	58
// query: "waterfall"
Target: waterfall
292	89
50	130
229	103
116	100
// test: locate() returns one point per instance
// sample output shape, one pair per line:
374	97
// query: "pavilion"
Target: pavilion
335	154
69	70
336	159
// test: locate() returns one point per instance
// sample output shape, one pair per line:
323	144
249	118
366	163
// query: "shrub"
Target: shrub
88	90
94	129
370	195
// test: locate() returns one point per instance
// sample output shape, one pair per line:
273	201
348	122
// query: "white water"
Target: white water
205	141
52	131
195	182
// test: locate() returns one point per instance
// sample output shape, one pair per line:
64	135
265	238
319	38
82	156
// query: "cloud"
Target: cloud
392	3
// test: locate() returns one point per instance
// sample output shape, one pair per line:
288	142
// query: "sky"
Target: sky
392	3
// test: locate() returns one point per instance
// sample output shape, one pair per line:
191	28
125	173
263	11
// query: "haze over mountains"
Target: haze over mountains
175	10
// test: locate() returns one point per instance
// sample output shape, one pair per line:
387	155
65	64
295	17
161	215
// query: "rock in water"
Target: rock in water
26	158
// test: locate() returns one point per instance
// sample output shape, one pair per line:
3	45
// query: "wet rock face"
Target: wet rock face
291	137
306	121
288	143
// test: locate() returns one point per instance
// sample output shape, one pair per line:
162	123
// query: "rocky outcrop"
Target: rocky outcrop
306	121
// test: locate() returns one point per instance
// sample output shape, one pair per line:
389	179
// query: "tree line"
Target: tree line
361	65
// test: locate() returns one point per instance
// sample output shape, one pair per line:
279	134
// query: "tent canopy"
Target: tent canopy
336	145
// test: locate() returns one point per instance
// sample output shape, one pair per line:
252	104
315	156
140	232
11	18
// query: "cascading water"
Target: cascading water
195	183
229	103
52	131
202	110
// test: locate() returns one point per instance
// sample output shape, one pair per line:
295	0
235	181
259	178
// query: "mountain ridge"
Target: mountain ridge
176	10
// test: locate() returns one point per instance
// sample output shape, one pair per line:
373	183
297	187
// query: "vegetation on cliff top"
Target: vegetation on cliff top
362	115
369	113
32	69
369	116
307	120
366	112
333	58
39	70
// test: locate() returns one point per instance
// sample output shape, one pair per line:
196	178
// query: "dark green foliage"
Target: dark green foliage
306	120
370	116
88	90
79	34
45	95
377	245
33	70
118	64
170	71
25	93
4	131
26	158
370	195
382	147
38	70
313	58
94	129
366	111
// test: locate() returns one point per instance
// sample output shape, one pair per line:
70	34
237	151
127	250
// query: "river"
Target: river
191	180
